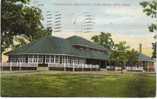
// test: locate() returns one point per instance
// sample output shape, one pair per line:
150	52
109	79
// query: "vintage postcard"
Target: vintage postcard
78	48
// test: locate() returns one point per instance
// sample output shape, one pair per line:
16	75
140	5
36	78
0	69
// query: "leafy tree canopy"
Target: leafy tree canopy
132	57
18	18
119	54
104	39
150	9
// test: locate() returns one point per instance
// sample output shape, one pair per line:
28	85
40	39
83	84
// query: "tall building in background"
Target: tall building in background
57	22
88	22
54	20
49	19
46	12
84	22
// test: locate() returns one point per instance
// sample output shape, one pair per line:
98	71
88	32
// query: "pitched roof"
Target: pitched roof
76	40
46	45
143	57
55	45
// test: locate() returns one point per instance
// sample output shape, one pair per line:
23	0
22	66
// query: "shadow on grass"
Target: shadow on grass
141	86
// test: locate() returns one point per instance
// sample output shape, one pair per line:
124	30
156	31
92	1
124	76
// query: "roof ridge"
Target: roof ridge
93	43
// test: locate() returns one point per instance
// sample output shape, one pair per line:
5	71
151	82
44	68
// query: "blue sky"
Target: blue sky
118	16
123	18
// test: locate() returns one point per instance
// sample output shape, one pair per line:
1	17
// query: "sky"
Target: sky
124	19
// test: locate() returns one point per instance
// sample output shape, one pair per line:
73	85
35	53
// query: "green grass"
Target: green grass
81	85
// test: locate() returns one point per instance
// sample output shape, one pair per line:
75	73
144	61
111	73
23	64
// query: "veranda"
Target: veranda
52	62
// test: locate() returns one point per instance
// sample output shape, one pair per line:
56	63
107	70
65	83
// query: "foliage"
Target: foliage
119	54
104	39
150	9
20	40
121	46
20	19
155	49
132	57
123	56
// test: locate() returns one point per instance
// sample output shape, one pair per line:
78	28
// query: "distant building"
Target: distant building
57	22
145	61
49	20
88	23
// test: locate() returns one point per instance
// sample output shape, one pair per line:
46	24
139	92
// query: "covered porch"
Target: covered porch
51	62
47	59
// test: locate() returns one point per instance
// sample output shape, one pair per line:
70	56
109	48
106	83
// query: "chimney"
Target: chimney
140	48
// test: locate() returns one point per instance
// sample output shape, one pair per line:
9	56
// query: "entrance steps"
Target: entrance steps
42	68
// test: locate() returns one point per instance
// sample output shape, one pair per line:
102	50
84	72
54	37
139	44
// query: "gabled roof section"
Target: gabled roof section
46	45
76	40
143	57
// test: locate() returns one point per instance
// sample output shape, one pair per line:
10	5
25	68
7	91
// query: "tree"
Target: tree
104	39
119	54
154	49
23	39
20	19
150	9
132	56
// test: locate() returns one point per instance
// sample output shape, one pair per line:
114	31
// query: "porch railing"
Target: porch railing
135	68
73	65
16	64
57	65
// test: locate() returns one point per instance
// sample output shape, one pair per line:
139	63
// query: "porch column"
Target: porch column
62	59
68	59
73	64
58	59
78	60
11	66
82	67
45	58
49	60
29	59
37	59
20	65
54	60
64	62
32	59
65	59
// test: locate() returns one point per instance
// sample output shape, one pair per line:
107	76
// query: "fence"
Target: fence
74	67
128	68
51	66
134	68
18	66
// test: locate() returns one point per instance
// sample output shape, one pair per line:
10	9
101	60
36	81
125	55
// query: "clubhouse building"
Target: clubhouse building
55	50
76	51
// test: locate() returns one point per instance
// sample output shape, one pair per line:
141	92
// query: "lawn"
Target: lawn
80	85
